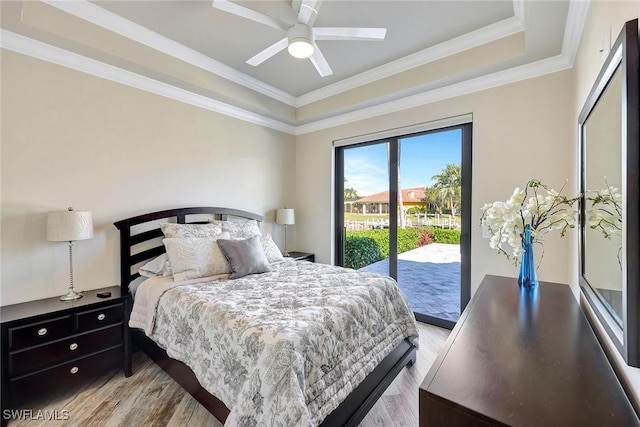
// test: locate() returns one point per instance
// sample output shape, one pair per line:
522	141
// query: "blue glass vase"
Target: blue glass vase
528	277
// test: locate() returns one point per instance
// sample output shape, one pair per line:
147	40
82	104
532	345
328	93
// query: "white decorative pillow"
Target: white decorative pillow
173	230
271	250
159	266
195	257
240	230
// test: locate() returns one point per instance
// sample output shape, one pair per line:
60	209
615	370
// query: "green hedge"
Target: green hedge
445	235
357	252
360	251
407	239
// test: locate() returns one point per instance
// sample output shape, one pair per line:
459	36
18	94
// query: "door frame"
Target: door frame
465	226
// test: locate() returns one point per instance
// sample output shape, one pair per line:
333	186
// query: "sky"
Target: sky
421	157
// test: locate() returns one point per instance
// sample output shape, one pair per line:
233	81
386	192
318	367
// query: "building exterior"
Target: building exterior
378	203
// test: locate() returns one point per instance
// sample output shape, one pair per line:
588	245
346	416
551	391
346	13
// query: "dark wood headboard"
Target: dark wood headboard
129	259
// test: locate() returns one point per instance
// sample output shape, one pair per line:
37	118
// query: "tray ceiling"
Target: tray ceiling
151	39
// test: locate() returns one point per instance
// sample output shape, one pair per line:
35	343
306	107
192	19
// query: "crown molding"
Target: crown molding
576	18
459	44
518	10
46	52
500	78
34	48
110	21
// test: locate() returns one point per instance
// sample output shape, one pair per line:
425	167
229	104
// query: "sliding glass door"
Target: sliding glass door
402	209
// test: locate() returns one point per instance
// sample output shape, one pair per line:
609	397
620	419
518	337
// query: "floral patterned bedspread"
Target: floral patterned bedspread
284	348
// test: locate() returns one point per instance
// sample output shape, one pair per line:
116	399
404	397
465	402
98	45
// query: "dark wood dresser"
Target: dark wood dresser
51	343
523	358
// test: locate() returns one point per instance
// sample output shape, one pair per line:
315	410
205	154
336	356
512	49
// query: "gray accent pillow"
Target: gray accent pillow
244	256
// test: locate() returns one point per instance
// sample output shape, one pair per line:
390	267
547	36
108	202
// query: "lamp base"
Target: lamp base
286	254
71	295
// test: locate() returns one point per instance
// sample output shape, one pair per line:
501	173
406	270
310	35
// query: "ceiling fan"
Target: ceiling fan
301	35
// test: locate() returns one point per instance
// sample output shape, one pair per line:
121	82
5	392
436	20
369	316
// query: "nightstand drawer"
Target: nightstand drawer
93	319
21	362
302	256
39	333
65	375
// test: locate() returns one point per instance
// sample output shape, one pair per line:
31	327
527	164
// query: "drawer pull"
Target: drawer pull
73	346
74	370
102	316
42	332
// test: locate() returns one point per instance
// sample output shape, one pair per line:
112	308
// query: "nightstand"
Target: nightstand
302	256
51	343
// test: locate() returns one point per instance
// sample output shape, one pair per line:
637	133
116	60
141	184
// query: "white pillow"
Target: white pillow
159	266
195	257
240	230
271	250
172	230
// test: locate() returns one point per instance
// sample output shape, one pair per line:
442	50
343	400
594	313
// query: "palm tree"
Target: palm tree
350	194
431	199
449	185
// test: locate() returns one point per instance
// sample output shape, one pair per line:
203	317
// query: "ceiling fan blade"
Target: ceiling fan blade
338	33
251	14
308	11
320	62
268	52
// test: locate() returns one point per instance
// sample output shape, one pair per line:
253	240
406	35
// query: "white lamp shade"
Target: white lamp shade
286	216
70	225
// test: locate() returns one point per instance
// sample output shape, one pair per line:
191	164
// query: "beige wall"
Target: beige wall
520	131
605	17
70	139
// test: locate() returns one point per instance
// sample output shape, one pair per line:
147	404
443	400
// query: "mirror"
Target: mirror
603	181
610	203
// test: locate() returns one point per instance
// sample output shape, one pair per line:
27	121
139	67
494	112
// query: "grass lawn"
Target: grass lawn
365	217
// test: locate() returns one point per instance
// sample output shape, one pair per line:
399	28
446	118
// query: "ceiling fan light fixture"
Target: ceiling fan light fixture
300	41
300	49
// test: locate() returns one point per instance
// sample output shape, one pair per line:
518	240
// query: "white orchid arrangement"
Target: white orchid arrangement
506	221
605	212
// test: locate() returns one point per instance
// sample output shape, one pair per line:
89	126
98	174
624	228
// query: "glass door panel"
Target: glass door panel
430	176
366	207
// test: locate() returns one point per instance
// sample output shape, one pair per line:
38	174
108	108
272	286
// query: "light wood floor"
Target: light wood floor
151	398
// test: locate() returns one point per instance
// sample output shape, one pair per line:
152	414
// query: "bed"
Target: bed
319	393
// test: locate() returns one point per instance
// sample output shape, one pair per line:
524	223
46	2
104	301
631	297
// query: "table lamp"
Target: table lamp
69	226
285	217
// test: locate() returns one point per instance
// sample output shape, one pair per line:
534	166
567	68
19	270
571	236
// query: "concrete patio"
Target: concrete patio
430	278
